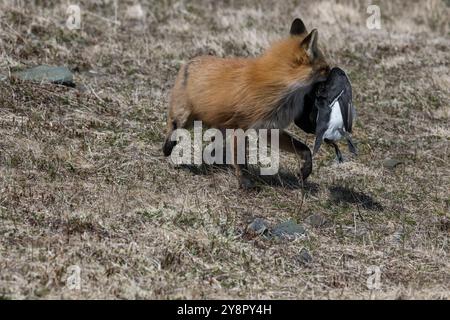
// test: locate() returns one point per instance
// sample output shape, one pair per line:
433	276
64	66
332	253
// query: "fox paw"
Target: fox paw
246	183
306	170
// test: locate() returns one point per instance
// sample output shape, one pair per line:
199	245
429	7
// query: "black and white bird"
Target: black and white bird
329	112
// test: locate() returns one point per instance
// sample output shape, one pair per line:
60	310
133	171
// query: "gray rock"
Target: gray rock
59	75
3	77
304	257
257	227
391	163
316	220
288	229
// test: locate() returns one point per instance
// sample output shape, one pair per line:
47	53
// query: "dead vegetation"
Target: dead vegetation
83	180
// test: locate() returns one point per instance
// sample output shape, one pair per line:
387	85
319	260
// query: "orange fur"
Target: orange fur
235	92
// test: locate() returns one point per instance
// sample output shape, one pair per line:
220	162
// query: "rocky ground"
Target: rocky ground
84	186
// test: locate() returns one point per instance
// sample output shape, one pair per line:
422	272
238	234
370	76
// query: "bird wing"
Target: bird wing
306	120
345	102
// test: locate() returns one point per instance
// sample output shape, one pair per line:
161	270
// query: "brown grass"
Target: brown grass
83	181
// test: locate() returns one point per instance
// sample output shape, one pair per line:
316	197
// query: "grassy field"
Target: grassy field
83	181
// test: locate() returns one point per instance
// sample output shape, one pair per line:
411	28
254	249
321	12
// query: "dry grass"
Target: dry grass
83	181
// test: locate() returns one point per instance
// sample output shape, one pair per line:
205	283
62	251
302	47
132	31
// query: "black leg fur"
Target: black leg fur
169	144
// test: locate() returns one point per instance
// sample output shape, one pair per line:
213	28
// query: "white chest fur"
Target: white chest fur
336	123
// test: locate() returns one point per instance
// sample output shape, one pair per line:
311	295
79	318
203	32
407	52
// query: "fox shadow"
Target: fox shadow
342	195
283	179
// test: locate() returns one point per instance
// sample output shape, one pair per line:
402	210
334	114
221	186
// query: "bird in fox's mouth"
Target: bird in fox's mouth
330	112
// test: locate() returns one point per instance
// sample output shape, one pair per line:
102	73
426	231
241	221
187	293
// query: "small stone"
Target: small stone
3	77
135	12
257	227
41	292
288	229
391	163
304	257
58	75
316	220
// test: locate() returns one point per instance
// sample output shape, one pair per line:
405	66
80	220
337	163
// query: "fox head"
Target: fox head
294	62
306	56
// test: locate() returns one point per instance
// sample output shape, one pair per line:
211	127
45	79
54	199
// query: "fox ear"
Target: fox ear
297	27
310	44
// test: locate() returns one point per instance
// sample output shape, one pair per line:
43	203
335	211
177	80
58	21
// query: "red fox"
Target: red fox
241	93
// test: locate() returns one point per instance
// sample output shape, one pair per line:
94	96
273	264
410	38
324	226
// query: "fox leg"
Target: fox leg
179	115
168	143
181	119
243	180
291	144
